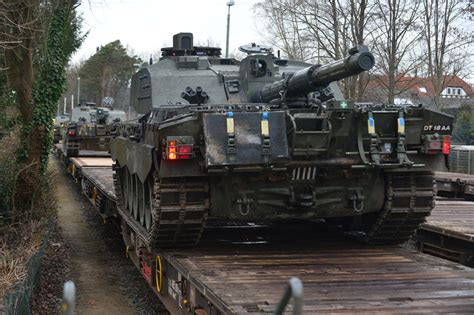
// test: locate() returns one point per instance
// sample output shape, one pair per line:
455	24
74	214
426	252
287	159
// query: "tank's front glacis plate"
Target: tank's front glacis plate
248	148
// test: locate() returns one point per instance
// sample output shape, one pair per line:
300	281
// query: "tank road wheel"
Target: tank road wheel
122	173
162	213
135	196
121	185
148	202
140	209
129	192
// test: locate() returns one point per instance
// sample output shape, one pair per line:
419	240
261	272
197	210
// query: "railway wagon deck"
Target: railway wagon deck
449	231
59	150
455	185
339	275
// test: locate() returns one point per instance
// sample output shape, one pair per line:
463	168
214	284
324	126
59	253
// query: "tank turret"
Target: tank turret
317	78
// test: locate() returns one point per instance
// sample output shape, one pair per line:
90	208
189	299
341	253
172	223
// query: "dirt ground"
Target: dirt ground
84	249
98	291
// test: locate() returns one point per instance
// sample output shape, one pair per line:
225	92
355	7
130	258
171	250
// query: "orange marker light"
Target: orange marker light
172	156
172	143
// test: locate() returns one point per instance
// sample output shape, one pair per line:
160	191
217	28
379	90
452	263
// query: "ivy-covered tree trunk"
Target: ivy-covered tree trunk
36	131
48	88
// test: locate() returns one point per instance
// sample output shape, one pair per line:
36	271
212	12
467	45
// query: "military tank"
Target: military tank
90	128
266	140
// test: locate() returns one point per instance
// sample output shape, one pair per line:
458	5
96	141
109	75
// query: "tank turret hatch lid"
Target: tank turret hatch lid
108	101
256	49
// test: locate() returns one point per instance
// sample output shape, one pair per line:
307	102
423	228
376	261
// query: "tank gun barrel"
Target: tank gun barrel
318	77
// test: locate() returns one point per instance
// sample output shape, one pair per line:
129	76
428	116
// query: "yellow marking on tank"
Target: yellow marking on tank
265	128
401	125
230	125
371	124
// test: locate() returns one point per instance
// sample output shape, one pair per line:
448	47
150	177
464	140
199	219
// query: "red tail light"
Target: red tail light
178	151
185	151
446	144
71	133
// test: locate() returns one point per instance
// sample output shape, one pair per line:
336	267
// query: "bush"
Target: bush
29	185
8	170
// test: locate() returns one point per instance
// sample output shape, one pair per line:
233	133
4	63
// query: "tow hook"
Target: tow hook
243	205
357	200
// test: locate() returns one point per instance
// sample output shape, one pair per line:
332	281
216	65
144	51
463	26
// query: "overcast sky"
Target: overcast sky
146	25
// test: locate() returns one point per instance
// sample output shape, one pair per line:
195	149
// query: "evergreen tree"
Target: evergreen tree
106	72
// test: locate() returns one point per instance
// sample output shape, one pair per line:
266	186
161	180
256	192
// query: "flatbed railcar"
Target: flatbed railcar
247	270
455	185
449	232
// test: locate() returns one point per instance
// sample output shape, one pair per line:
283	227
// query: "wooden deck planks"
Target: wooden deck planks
102	178
81	162
454	176
338	278
452	217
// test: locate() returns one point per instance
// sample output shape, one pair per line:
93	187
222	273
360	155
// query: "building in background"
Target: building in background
418	90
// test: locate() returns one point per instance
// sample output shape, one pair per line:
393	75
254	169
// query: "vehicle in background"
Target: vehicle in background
90	128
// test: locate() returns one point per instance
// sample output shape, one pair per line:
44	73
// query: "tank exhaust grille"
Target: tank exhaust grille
304	173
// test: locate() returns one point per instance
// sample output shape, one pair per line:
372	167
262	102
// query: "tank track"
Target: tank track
409	200
177	220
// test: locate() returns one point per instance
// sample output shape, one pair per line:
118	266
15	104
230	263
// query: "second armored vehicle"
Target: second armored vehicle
266	139
90	128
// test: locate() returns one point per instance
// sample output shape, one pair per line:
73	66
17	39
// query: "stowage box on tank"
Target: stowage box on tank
266	139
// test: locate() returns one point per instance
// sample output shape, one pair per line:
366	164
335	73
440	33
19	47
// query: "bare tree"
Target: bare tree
281	29
18	28
394	42
447	43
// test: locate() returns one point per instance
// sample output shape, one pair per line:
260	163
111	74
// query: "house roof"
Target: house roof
418	85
